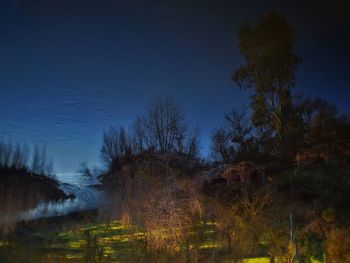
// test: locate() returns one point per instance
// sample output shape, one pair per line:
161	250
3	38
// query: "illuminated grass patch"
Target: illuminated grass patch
114	242
256	260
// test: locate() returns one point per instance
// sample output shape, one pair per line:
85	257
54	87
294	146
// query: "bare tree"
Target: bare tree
161	130
139	135
220	146
6	153
117	145
125	144
17	156
165	126
110	153
41	164
20	156
193	144
35	160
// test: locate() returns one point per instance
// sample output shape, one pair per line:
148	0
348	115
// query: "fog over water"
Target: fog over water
85	197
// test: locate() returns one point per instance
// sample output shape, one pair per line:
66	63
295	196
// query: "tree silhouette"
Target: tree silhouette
269	69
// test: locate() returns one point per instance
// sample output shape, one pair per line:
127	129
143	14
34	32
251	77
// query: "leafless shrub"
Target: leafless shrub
153	197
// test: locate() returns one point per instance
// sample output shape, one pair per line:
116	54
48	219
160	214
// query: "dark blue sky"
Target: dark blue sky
71	68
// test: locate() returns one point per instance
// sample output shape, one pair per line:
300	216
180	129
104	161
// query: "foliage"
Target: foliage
269	70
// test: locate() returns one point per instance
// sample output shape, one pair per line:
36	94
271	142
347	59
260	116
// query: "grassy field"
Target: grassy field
113	242
101	242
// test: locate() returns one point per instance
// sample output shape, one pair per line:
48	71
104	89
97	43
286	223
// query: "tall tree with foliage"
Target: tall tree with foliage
269	70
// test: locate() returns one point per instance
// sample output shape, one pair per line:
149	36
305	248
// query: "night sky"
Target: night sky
71	68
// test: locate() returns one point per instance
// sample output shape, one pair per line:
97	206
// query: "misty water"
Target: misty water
84	196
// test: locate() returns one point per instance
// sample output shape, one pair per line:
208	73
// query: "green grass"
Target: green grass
115	242
113	239
256	260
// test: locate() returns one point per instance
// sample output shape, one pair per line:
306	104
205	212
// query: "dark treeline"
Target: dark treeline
316	122
21	157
